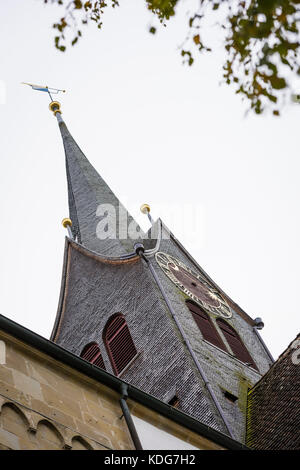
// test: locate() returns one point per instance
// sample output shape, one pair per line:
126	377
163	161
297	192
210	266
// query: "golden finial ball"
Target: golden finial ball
145	208
66	222
54	106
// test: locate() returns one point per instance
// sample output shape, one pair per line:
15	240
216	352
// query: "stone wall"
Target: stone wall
46	405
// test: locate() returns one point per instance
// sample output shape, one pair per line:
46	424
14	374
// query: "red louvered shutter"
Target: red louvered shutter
119	344
235	343
98	361
205	325
92	353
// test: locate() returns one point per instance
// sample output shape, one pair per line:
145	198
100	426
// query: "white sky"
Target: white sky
158	132
152	437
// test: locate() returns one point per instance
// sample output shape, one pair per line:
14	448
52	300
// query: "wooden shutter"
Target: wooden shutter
92	353
119	344
235	343
205	325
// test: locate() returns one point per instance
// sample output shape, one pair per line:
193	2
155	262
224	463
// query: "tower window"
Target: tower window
119	344
230	396
236	344
91	353
174	401
205	325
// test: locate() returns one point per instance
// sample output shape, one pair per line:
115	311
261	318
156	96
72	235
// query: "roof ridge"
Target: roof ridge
278	360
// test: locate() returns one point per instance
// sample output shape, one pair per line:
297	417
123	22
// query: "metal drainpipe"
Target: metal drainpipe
140	252
129	421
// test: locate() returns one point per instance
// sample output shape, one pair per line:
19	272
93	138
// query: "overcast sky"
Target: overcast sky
158	132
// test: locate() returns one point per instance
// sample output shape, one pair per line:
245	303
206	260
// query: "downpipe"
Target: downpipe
128	418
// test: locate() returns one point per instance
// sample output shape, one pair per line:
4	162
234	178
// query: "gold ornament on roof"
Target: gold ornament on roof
66	222
54	106
145	208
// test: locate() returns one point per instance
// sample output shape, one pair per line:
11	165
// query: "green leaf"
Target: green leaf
277	82
77	4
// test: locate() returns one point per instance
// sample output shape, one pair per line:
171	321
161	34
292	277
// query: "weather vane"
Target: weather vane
47	89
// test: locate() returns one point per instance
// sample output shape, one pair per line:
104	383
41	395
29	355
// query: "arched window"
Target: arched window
119	344
205	325
236	344
91	352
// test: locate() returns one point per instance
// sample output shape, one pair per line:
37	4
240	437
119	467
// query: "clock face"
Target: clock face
194	285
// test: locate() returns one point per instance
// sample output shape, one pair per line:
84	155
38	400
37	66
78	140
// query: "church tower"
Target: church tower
140	307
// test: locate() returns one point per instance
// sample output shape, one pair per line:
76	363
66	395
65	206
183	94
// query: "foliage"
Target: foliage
261	40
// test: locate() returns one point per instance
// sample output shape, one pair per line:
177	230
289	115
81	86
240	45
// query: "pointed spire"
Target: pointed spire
95	211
